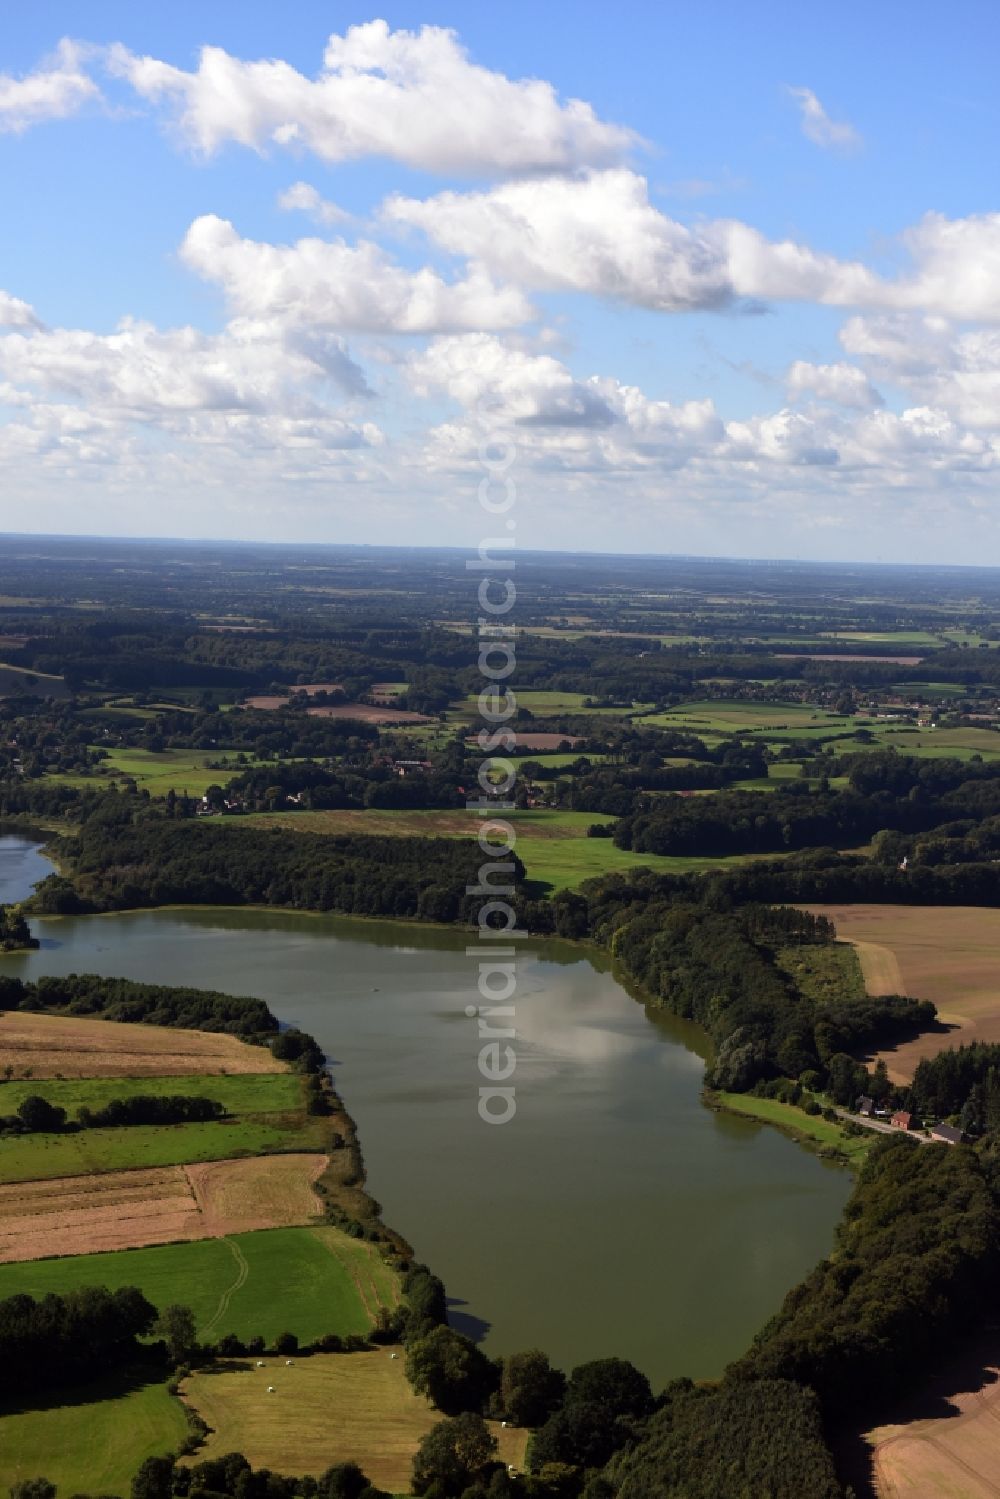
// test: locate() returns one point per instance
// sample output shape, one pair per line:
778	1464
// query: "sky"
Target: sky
723	278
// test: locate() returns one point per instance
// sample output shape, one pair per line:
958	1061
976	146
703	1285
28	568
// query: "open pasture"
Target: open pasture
42	1156
552	842
247	1093
308	1281
113	1210
180	770
94	1444
64	1046
947	954
941	744
329	1408
727	716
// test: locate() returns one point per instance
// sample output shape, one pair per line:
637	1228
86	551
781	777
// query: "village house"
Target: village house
947	1134
865	1105
901	1119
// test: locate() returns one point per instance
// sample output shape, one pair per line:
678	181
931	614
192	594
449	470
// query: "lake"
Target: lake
614	1214
21	867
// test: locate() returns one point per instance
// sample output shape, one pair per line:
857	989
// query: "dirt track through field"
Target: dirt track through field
70	1046
242	1274
130	1209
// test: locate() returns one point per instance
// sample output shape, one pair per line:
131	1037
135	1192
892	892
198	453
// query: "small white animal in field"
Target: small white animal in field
288	1363
394	1355
503	1423
270	1389
260	1363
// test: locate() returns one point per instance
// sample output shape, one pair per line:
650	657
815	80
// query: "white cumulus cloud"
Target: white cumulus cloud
413	96
56	89
843	383
336	285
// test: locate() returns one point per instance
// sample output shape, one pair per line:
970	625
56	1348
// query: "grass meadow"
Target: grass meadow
42	1156
308	1281
266	1093
91	1445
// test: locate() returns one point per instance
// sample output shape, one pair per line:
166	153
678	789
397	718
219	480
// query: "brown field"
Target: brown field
546	741
269	701
159	1205
948	954
948	1444
364	712
330	1408
367	713
269	1191
69	1046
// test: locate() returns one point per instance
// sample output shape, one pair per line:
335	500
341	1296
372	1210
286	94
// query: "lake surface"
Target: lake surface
613	1215
21	867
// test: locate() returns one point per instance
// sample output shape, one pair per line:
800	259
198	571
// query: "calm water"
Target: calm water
21	867
614	1214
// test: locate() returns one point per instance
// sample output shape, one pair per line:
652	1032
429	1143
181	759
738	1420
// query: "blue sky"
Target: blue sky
740	301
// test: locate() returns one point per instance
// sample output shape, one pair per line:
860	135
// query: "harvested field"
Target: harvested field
947	954
160	1205
263	1192
368	713
269	701
68	1046
330	1408
546	741
948	1440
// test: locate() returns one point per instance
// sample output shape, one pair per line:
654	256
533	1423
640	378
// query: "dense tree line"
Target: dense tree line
755	822
63	1340
753	1439
718	963
916	1261
120	863
233	1477
963	1081
150	1108
147	1004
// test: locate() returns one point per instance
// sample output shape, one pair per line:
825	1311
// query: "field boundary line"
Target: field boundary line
352	1272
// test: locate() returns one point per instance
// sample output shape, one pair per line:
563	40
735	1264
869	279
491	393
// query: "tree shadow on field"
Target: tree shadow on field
109	1387
467	1323
973	1368
236	1365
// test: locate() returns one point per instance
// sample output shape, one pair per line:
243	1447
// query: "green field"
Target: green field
42	1156
552	842
308	1281
726	716
941	744
171	769
805	1128
91	1445
268	1093
544	705
884	637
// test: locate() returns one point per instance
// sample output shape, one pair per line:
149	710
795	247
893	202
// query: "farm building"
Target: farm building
865	1105
901	1119
947	1134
